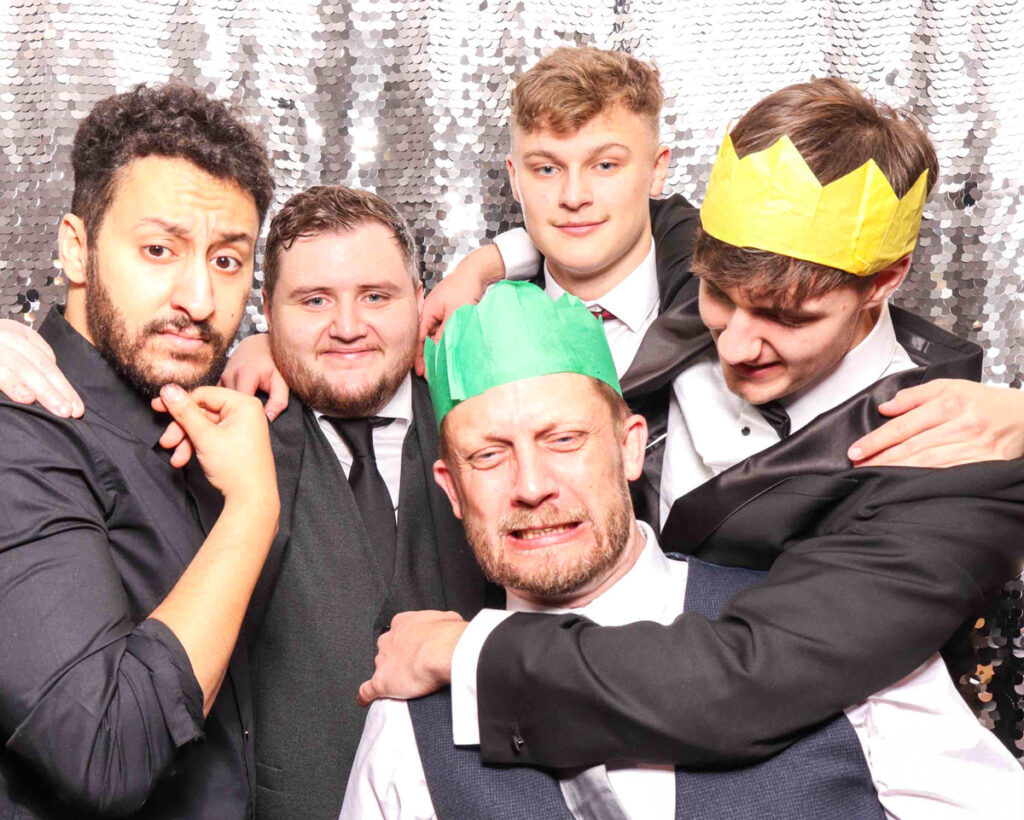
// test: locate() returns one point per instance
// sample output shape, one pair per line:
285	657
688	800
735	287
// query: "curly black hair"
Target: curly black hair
171	120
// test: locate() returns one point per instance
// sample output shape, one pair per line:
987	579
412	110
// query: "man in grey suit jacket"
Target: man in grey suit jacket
342	293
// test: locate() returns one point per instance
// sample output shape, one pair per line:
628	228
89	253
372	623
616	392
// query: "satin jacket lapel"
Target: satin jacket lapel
820	448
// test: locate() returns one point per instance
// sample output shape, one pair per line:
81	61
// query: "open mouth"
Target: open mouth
536	533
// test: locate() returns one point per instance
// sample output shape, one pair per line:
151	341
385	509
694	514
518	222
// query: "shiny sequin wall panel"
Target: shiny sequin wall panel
409	98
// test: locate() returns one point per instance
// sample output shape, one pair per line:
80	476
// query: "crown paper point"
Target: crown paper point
515	332
772	201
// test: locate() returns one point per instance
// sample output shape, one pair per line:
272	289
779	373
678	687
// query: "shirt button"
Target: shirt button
745	431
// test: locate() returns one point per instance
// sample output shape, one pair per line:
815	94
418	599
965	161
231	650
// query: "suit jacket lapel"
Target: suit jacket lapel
287	441
820	448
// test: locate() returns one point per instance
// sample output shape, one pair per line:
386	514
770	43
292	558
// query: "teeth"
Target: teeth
528	535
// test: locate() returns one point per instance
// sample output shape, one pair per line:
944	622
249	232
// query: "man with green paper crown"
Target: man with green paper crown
852	552
537	449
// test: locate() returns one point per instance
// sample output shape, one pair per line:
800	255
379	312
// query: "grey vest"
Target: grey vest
821	775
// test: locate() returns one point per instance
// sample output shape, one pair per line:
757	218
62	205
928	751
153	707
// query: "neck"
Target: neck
865	324
74	312
595	587
589	285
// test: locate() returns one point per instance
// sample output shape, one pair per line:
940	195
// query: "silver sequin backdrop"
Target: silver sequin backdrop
408	99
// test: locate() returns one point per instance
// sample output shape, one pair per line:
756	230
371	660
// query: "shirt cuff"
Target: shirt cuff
180	696
465	720
522	260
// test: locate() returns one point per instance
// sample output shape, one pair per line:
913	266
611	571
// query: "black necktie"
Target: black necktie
775	414
370	490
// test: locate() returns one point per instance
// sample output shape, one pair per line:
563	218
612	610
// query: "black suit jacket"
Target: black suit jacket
327	602
855	552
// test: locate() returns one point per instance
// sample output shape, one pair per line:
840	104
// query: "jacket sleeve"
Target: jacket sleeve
846	610
93	701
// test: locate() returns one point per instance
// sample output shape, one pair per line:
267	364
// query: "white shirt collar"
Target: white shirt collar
652	590
400	405
631	301
858	370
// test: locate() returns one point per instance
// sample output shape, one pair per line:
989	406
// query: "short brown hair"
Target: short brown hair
836	128
332	209
568	88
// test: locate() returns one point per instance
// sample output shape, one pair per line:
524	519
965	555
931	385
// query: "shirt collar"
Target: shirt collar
104	391
631	301
399	406
639	595
858	370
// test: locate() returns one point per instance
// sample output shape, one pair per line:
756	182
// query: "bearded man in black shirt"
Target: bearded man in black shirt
124	579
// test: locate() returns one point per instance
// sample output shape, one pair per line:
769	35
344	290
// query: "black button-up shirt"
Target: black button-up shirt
99	708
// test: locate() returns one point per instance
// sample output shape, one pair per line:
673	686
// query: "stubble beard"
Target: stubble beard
319	394
550	579
125	350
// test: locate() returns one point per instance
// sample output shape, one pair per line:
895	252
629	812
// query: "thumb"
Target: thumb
185	411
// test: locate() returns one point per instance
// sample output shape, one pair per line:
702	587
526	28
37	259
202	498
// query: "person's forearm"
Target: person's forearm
206	607
840	616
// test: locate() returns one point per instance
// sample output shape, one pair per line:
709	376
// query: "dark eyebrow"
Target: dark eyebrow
181	232
173	228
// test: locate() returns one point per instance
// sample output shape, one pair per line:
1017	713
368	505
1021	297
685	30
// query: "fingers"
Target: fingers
911	397
916	410
185	410
278	396
246	381
29	374
939	456
431	316
367	693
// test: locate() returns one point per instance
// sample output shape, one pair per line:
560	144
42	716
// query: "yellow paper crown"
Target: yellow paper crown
772	201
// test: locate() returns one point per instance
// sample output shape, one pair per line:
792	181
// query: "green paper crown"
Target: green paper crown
516	332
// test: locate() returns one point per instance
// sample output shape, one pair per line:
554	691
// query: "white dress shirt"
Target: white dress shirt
929	757
388	439
633	302
710	429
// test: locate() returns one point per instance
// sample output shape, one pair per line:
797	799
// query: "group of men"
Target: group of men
193	598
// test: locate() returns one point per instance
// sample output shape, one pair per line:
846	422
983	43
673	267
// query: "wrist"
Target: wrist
493	268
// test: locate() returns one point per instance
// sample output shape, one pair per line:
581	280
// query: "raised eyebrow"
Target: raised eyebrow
173	228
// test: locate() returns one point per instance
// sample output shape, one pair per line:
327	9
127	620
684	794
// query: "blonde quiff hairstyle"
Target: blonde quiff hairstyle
569	87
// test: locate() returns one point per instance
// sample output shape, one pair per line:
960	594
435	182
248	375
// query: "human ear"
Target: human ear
510	166
661	158
886	281
446	481
73	248
633	442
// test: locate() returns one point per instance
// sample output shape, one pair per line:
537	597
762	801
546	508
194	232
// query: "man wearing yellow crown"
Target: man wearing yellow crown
875	569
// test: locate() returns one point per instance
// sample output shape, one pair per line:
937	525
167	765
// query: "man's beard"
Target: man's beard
552	580
319	394
126	350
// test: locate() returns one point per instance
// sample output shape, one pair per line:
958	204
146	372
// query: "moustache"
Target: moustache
182	324
544	517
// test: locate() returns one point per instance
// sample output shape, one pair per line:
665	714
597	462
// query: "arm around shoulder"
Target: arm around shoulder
844	612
